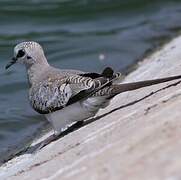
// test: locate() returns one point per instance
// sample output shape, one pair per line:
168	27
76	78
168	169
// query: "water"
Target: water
74	33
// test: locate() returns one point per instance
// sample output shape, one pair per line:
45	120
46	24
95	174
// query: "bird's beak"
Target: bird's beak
13	61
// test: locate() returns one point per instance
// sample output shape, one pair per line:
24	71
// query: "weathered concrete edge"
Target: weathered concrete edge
72	154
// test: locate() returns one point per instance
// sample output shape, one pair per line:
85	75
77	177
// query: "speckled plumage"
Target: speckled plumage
55	92
70	93
66	96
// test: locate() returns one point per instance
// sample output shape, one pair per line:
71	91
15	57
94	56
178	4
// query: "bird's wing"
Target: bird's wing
54	94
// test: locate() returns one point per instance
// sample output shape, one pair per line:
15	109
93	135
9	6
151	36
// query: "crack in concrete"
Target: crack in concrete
47	160
148	109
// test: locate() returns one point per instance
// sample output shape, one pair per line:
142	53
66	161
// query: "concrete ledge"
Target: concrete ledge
138	139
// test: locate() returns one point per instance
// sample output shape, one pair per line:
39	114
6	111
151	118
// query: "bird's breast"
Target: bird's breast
80	110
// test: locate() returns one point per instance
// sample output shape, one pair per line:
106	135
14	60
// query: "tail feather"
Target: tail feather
119	88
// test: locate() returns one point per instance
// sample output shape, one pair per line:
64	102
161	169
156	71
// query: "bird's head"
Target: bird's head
27	53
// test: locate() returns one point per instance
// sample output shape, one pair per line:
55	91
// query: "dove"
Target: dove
67	96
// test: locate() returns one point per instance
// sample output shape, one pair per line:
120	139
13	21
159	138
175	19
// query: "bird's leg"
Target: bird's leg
58	134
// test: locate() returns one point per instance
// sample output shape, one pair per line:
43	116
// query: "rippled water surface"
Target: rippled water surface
74	33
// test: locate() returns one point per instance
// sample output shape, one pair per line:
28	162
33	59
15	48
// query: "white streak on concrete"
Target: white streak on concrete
107	128
76	171
56	175
15	165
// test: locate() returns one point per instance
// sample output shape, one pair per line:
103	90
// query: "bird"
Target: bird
67	96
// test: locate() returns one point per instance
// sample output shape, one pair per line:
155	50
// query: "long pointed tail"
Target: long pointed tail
119	88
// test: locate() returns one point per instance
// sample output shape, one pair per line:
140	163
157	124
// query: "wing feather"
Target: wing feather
54	94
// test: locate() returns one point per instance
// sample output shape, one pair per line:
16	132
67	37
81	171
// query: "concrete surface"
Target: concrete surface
137	137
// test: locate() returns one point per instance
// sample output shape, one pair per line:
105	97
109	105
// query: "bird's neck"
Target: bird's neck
35	72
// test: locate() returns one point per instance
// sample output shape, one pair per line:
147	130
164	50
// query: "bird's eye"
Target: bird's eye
21	53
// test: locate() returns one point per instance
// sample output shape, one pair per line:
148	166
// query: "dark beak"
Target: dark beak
11	62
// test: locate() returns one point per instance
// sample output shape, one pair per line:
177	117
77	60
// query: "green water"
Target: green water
74	33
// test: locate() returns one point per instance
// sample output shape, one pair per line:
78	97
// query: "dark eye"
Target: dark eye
21	53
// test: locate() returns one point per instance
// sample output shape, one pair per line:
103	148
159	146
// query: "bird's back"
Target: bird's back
57	89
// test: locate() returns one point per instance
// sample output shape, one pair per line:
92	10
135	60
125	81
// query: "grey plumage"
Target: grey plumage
53	94
66	96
